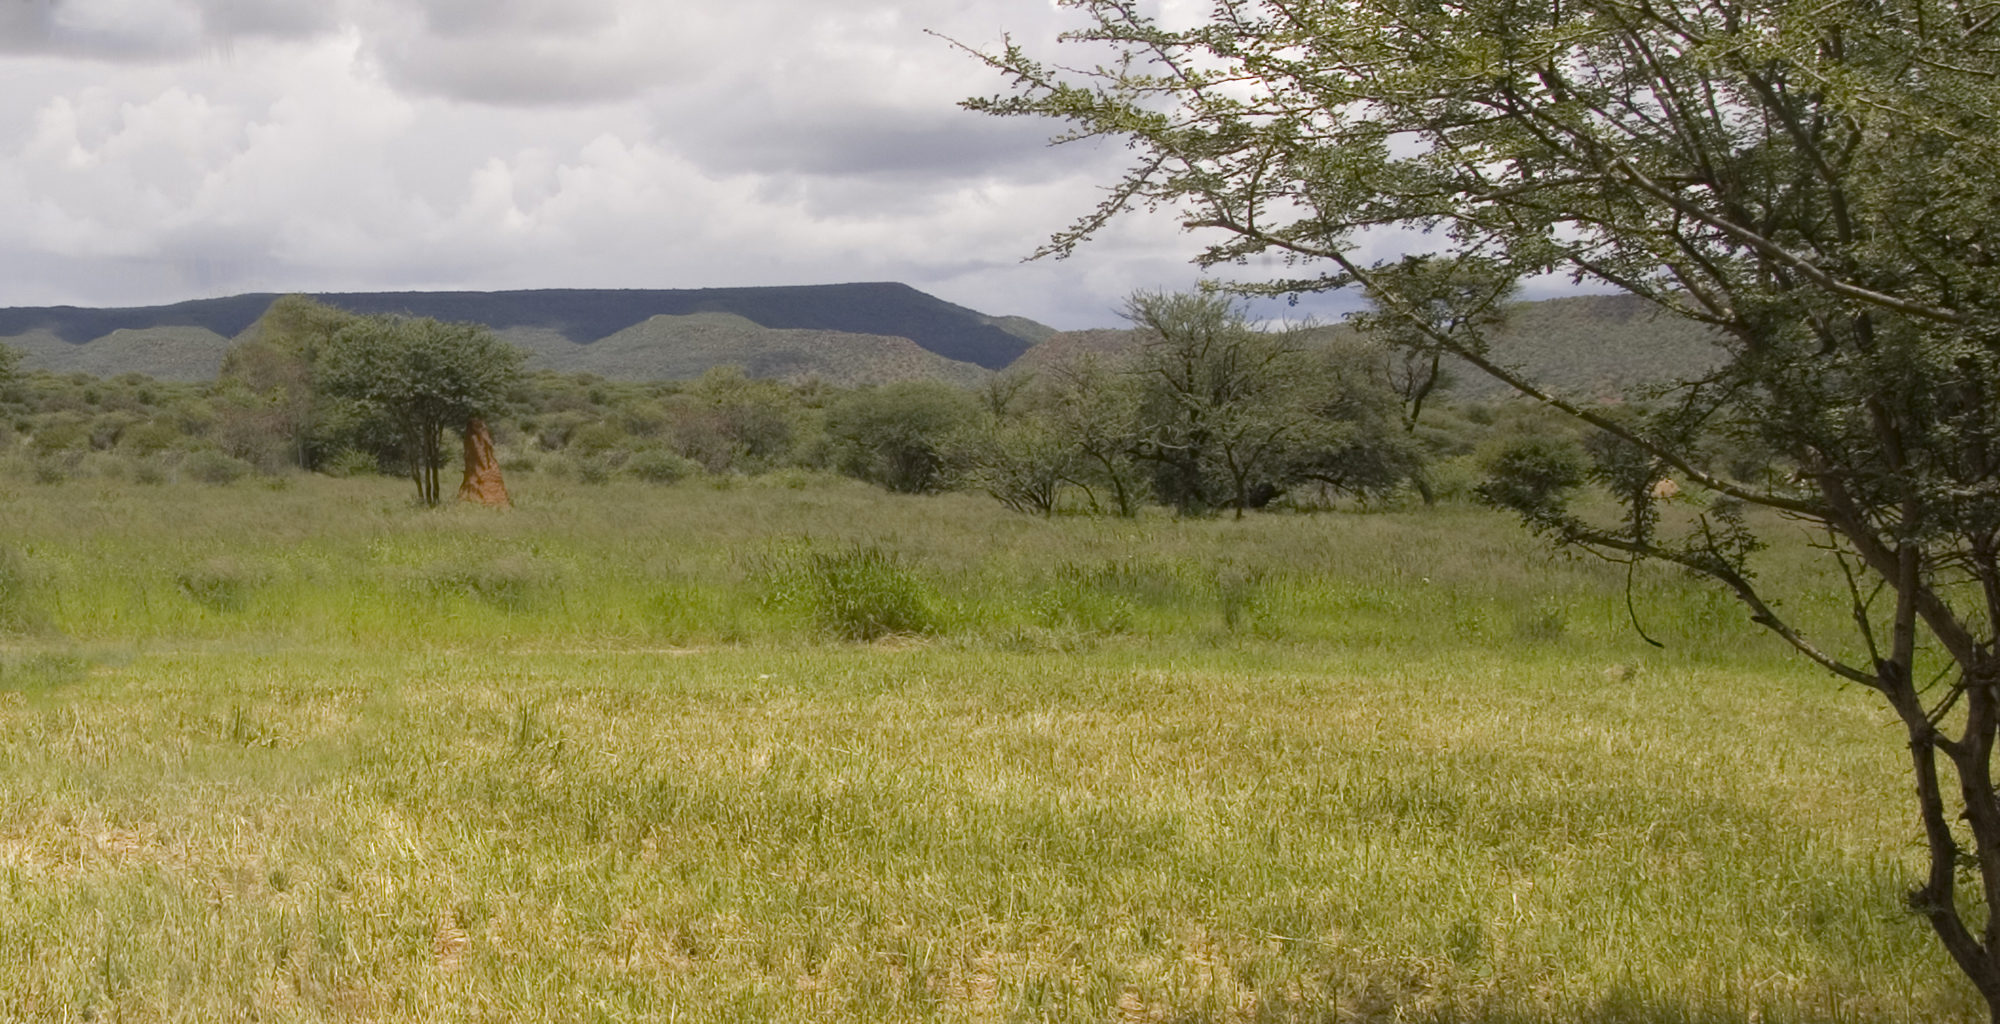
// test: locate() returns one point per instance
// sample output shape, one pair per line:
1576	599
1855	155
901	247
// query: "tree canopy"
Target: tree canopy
1817	181
424	377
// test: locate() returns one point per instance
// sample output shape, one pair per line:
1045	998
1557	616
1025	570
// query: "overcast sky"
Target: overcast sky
159	150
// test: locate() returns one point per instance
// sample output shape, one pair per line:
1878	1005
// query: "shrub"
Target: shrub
660	467
1073	607
347	462
1236	591
895	435
20	610
860	593
511	582
149	470
40	671
221	584
213	467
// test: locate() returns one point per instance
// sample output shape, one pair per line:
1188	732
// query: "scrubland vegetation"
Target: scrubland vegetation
758	705
790	747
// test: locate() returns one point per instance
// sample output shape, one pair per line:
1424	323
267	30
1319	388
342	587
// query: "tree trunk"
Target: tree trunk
482	483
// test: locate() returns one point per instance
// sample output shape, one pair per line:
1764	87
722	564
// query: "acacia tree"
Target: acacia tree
1223	411
1095	411
1818	180
422	376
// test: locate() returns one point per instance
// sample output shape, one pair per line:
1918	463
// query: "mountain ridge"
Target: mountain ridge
585	316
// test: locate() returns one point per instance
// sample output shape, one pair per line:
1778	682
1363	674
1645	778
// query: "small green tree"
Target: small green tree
1225	412
1094	409
897	435
270	379
1022	461
421	377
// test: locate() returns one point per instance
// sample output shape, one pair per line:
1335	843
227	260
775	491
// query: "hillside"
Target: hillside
165	353
579	316
678	347
1592	346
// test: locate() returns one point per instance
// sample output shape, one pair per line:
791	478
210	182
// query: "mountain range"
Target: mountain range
844	324
847	334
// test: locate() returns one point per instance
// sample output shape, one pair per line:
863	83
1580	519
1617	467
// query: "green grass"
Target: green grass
604	758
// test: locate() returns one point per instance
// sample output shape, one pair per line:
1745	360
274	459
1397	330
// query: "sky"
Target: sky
159	150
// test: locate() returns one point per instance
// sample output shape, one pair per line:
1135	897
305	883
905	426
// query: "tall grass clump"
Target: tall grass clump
27	672
1237	589
1075	603
214	468
222	584
510	582
858	593
20	608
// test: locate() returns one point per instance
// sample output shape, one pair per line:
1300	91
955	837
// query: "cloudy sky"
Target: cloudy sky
159	150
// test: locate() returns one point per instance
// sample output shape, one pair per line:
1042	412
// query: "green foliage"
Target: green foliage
223	583
20	598
281	415
1074	605
423	378
1815	186
39	671
512	582
349	462
859	593
897	435
1533	475
213	467
1021	461
1231	415
660	467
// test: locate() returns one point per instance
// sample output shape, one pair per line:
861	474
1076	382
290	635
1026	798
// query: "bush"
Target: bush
347	463
510	582
895	435
1073	607
660	467
861	593
20	609
220	584
40	671
1532	474
149	470
213	467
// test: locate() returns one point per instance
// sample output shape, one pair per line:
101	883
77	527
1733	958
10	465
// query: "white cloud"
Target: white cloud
152	150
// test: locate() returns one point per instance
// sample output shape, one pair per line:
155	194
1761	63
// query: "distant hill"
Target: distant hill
1068	346
579	316
1589	346
679	347
1594	346
166	353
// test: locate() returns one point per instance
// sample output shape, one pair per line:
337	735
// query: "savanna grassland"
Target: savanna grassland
792	749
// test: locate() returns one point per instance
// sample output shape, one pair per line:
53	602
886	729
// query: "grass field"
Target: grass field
794	750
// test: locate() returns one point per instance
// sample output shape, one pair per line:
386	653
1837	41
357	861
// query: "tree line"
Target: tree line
1210	411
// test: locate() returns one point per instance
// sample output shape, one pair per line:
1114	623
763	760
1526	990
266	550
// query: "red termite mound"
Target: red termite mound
482	471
